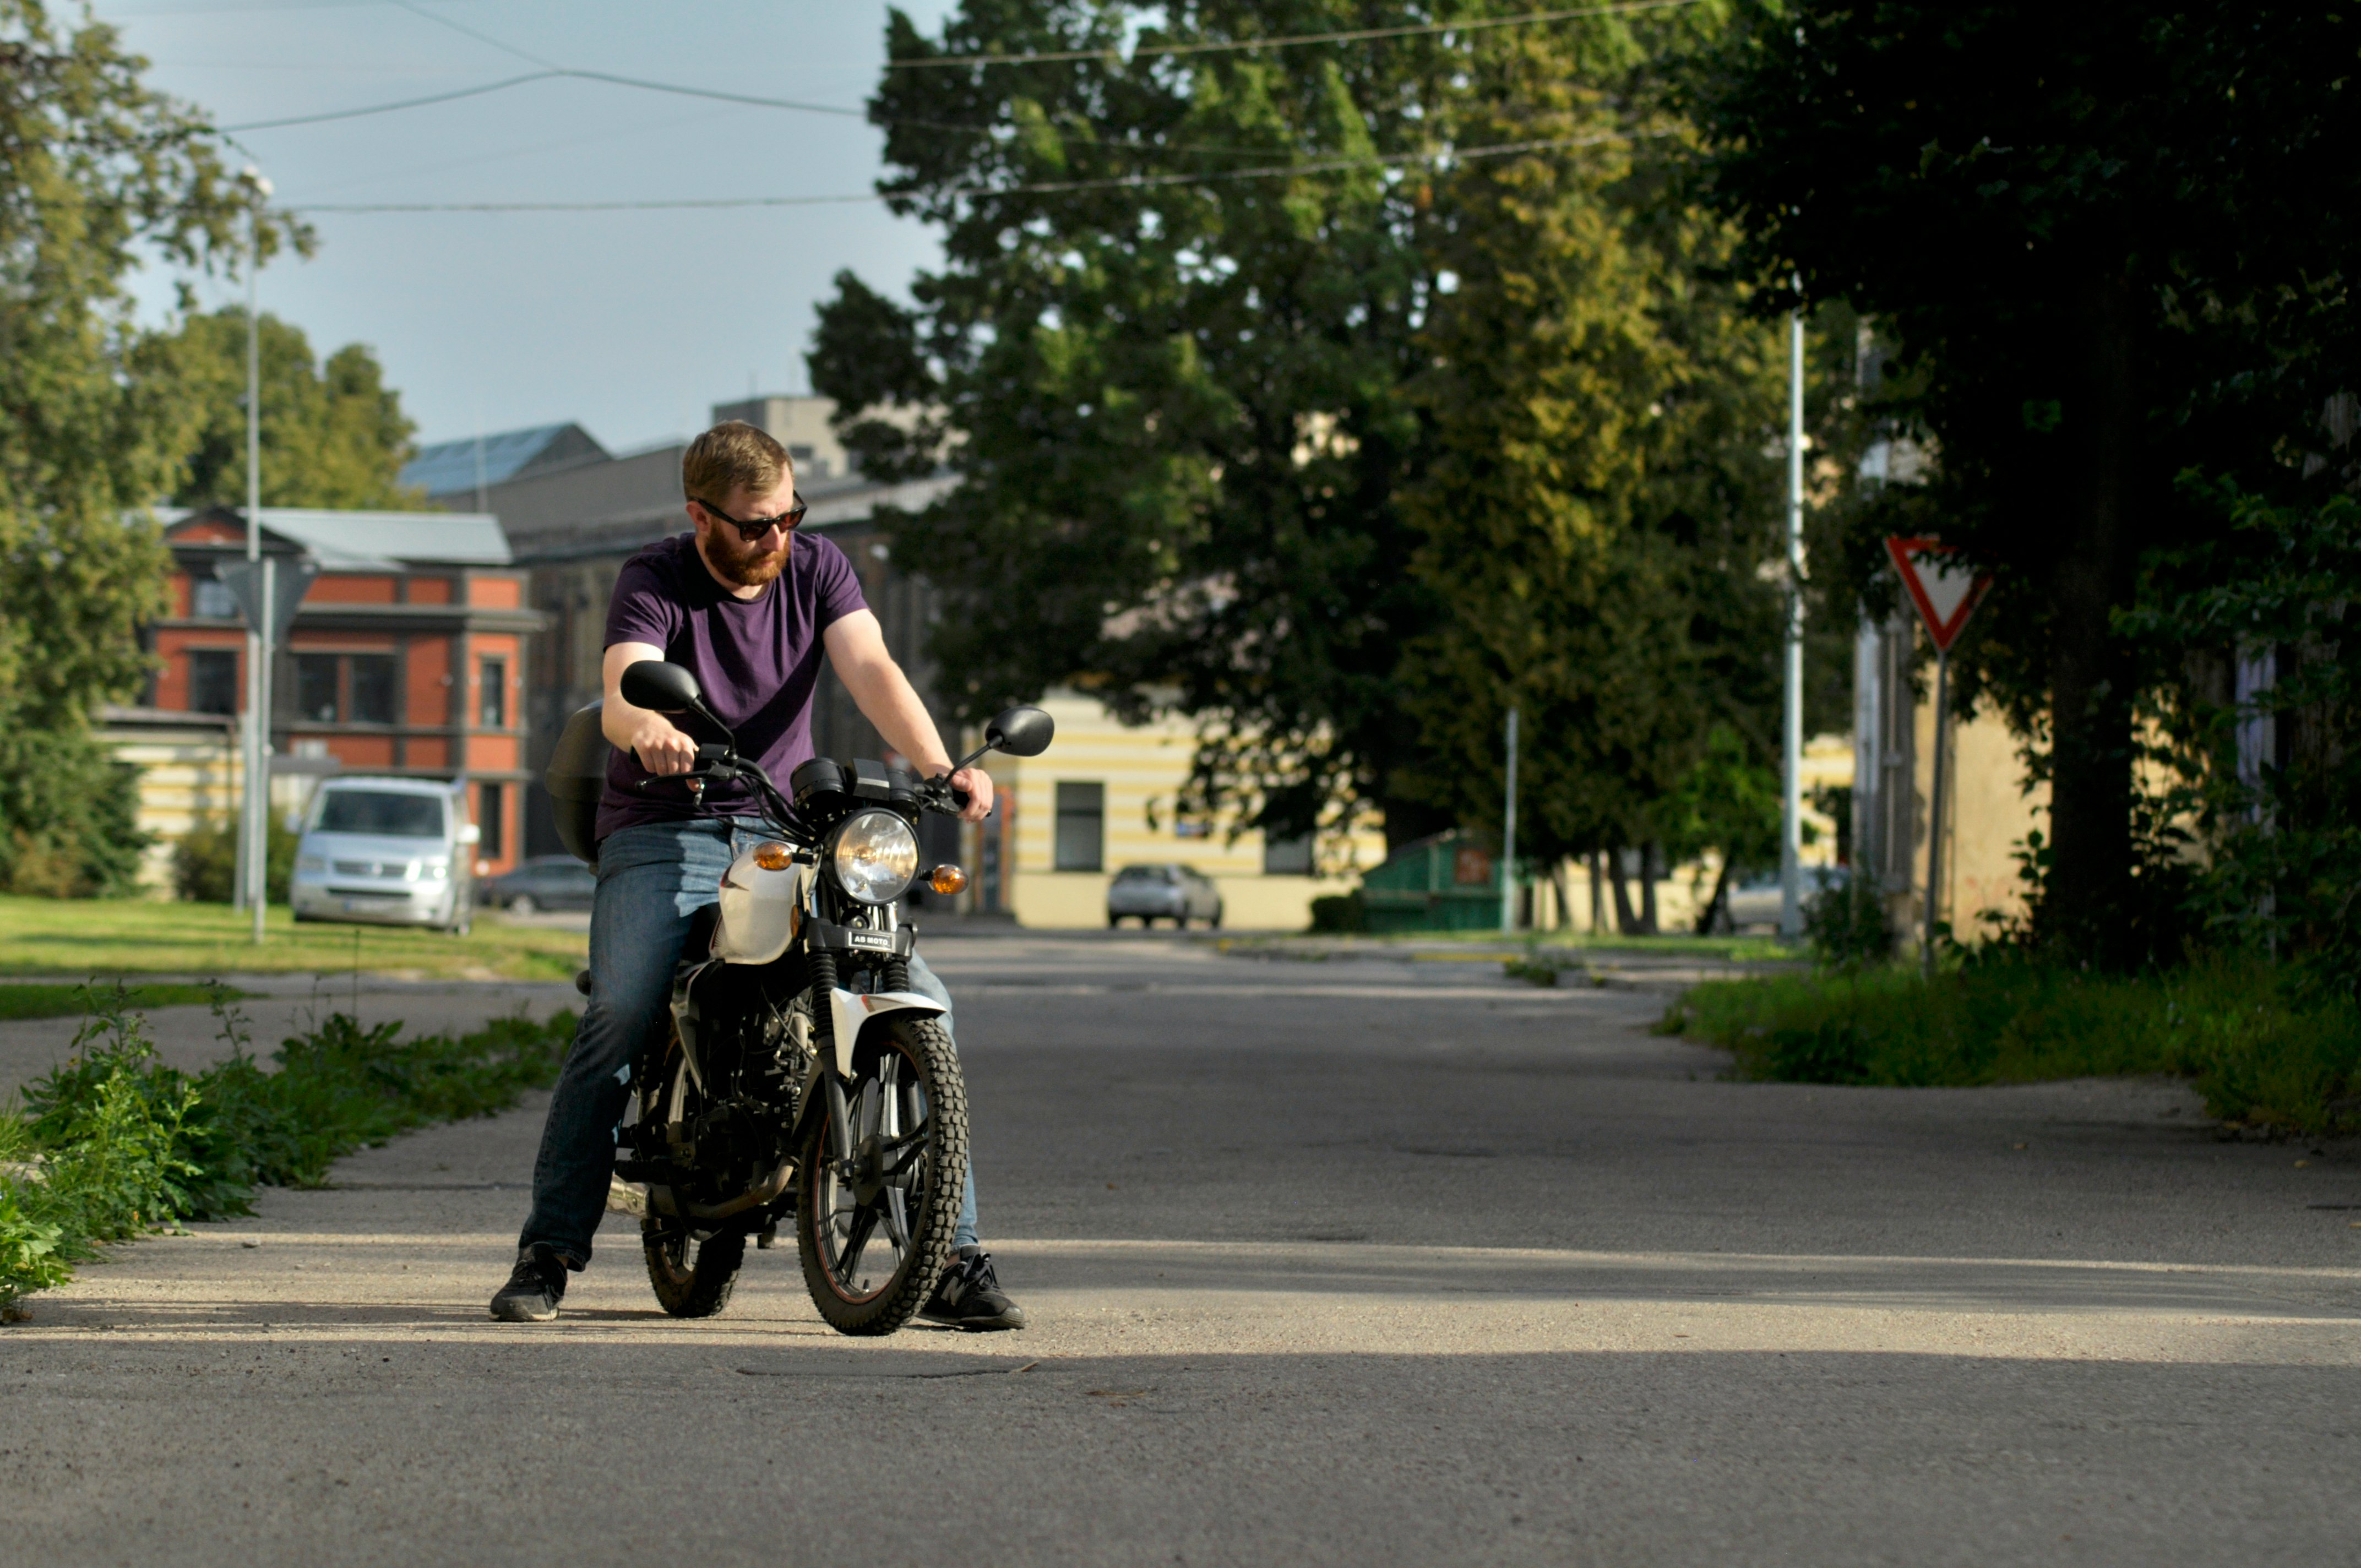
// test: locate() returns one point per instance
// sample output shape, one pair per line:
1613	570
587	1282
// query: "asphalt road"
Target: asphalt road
1348	1262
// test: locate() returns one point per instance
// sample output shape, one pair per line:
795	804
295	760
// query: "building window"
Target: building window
373	688
212	601
323	695
1082	827
490	816
212	680
316	688
493	694
1286	856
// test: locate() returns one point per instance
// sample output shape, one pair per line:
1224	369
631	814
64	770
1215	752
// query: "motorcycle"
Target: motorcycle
800	1078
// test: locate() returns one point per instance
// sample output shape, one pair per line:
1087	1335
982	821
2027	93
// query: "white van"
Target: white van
386	852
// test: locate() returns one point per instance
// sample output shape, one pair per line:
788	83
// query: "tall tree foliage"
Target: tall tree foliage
333	434
1602	486
94	169
1230	447
2113	242
1181	400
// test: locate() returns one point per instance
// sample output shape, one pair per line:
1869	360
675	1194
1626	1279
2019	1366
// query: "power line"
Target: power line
671	87
683	90
1359	35
1039	187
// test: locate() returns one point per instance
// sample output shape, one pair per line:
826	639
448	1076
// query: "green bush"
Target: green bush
113	1143
204	862
2259	1048
1342	914
1846	925
69	827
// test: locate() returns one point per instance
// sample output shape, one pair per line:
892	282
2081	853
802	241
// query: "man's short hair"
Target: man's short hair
732	455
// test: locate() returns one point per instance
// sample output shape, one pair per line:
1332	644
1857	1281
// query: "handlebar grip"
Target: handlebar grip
959	797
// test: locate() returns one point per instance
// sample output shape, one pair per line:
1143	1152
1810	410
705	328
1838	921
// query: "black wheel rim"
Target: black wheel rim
869	1203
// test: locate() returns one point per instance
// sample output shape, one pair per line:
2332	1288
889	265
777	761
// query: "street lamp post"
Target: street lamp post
1508	837
254	881
1791	802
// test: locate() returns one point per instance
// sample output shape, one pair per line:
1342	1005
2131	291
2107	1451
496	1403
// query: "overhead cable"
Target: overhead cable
1036	188
672	87
1358	35
685	91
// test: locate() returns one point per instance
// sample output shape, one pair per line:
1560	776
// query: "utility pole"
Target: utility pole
1935	812
1791	802
1508	837
255	882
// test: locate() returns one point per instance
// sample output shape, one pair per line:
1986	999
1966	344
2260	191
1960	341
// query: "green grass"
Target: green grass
113	1143
78	938
1491	945
2260	1051
37	1001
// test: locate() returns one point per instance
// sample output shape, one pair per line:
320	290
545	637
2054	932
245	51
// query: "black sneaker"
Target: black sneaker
535	1286
968	1296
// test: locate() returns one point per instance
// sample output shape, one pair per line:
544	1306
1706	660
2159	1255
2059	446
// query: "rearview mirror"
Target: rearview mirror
1020	732
660	688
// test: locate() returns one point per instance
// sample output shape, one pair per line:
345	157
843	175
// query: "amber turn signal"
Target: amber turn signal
947	878
772	857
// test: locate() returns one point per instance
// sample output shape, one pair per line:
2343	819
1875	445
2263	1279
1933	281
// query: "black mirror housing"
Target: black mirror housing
661	688
1019	731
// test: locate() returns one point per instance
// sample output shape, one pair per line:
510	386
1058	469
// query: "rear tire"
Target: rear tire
691	1279
907	1107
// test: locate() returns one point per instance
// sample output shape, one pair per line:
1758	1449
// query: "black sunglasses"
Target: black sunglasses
750	529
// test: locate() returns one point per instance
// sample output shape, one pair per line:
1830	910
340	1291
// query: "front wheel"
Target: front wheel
876	1204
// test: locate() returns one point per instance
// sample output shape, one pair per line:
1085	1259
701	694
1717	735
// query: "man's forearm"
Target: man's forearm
885	699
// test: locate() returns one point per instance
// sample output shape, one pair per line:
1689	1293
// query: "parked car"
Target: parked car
1756	901
386	852
545	882
1175	892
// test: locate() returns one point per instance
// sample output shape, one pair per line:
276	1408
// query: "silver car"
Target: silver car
386	852
1175	892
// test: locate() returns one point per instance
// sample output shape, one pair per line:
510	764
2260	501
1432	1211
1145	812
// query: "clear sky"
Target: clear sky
631	323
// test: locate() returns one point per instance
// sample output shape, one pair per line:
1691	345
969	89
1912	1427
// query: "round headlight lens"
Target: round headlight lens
875	857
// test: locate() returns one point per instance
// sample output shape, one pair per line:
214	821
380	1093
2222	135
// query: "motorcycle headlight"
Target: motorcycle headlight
875	856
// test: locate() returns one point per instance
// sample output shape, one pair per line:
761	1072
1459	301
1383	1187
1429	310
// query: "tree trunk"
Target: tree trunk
1563	916
1651	856
1626	922
1711	919
2086	895
1597	893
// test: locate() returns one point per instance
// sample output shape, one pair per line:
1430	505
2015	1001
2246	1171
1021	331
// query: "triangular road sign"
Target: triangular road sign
1942	584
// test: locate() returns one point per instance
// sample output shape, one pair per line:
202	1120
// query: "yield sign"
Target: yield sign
1941	584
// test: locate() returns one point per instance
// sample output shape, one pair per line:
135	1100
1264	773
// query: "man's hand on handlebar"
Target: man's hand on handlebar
662	749
976	785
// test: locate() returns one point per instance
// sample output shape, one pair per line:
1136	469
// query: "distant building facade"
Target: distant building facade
407	657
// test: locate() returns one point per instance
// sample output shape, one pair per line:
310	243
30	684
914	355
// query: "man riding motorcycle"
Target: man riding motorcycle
749	605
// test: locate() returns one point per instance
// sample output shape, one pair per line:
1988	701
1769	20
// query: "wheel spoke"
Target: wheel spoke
856	1242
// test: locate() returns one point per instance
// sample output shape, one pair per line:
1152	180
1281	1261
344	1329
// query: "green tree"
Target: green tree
1177	381
1233	446
95	171
2111	242
1601	488
333	434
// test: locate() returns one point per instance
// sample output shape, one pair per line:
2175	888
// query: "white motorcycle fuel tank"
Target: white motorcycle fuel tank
760	910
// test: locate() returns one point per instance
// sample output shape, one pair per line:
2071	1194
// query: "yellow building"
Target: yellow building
1102	797
1991	808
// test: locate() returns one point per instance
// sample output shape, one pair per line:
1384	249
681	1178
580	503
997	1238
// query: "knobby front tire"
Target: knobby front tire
874	1237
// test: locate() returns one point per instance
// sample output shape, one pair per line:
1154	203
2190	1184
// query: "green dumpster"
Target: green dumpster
1448	882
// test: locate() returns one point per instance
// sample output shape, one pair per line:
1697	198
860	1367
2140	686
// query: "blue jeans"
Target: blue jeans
651	882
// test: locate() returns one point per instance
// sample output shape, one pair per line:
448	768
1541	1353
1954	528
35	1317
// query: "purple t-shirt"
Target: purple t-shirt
756	660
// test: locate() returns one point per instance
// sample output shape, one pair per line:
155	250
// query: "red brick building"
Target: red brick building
406	658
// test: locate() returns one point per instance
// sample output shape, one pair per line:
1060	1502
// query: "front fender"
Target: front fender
849	1011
